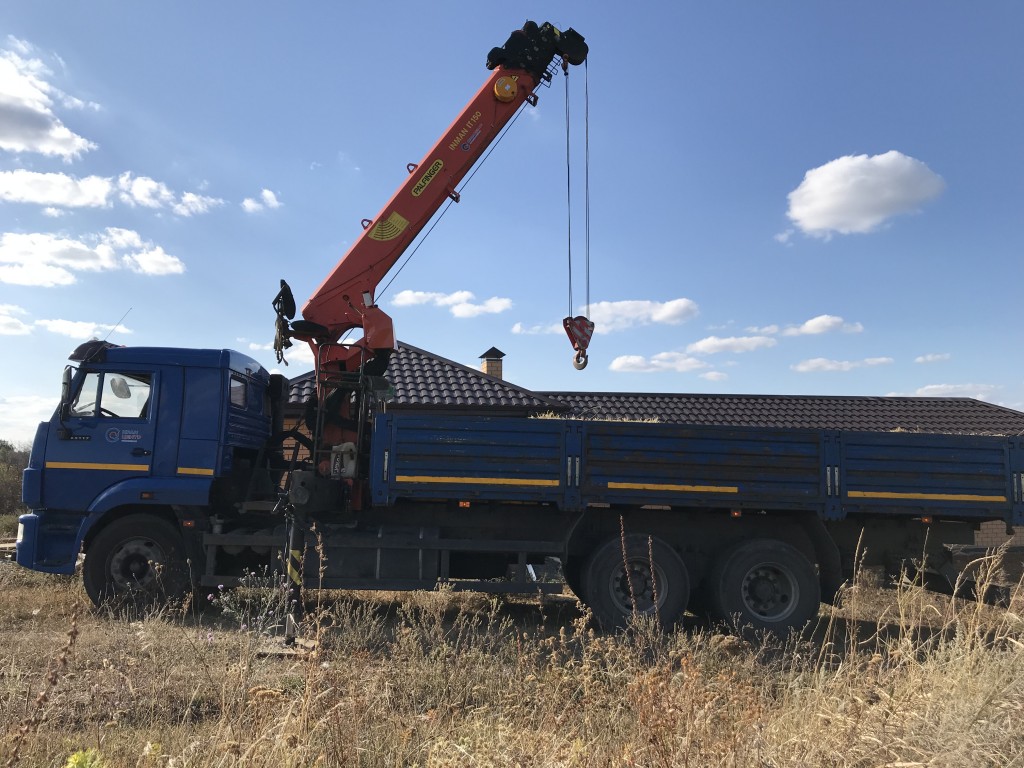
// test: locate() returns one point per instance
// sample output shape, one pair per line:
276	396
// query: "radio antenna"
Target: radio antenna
115	326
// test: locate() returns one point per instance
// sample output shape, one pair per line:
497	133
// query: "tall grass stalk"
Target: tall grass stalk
893	677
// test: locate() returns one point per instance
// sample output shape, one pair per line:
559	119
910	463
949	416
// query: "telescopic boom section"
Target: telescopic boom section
346	298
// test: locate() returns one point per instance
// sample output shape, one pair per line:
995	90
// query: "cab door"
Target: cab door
106	437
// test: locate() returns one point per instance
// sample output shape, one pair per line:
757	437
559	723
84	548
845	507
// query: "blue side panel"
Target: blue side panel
666	464
467	458
903	472
202	421
32	477
184	491
49	542
578	463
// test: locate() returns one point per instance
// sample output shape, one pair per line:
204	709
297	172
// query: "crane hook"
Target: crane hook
579	330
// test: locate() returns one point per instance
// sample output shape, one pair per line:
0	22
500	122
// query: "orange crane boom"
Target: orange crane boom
345	300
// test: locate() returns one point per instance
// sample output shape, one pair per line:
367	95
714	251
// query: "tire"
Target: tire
572	574
617	581
764	584
137	560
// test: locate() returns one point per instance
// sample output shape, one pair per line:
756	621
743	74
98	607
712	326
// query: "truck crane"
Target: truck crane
164	465
345	300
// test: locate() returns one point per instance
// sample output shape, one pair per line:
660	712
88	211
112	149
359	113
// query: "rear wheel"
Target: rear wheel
137	560
635	575
765	584
572	574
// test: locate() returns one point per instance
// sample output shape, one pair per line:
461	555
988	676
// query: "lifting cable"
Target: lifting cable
586	185
578	328
586	176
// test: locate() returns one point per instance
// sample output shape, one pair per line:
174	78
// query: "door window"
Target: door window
113	395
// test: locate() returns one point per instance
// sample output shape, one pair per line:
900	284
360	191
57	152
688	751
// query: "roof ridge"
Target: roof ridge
523	391
724	395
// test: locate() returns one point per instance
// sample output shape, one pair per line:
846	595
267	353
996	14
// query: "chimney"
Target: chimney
492	362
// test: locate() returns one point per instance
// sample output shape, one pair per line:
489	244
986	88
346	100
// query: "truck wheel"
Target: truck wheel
765	584
636	575
572	573
138	560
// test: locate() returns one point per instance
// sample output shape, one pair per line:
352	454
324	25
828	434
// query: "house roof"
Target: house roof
884	414
422	379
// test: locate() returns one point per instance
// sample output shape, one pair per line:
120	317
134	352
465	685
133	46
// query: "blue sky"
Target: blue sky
789	197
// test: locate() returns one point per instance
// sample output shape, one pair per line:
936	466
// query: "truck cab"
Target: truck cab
145	433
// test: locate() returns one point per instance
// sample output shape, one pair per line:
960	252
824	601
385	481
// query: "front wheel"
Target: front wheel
766	584
637	575
139	560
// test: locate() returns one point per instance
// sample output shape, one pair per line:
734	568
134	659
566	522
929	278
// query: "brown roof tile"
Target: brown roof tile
421	379
885	414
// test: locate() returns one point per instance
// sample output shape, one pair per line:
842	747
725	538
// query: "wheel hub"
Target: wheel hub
632	584
133	565
770	592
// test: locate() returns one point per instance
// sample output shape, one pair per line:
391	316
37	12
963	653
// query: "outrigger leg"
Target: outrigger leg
293	569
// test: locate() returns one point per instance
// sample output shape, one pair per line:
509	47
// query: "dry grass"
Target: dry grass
434	679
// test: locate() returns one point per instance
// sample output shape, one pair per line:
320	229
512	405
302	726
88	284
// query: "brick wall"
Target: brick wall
993	533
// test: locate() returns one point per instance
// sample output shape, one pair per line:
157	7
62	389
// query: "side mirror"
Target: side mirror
65	391
120	388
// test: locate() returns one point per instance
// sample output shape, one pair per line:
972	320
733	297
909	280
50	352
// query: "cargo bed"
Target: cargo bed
574	464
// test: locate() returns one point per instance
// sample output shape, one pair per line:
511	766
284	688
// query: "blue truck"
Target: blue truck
172	471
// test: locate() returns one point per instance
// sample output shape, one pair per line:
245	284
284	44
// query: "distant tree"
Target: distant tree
13	459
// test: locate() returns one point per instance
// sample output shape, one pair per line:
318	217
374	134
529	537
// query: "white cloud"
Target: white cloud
491	306
535	330
27	119
299	353
933	358
823	324
714	376
48	260
858	193
409	298
977	391
768	330
712	345
153	261
21	414
60	190
9	324
662	362
824	365
461	304
267	199
191	204
55	189
610	316
118	237
77	329
144	191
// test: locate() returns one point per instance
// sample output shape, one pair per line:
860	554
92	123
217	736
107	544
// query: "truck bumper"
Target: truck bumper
49	542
